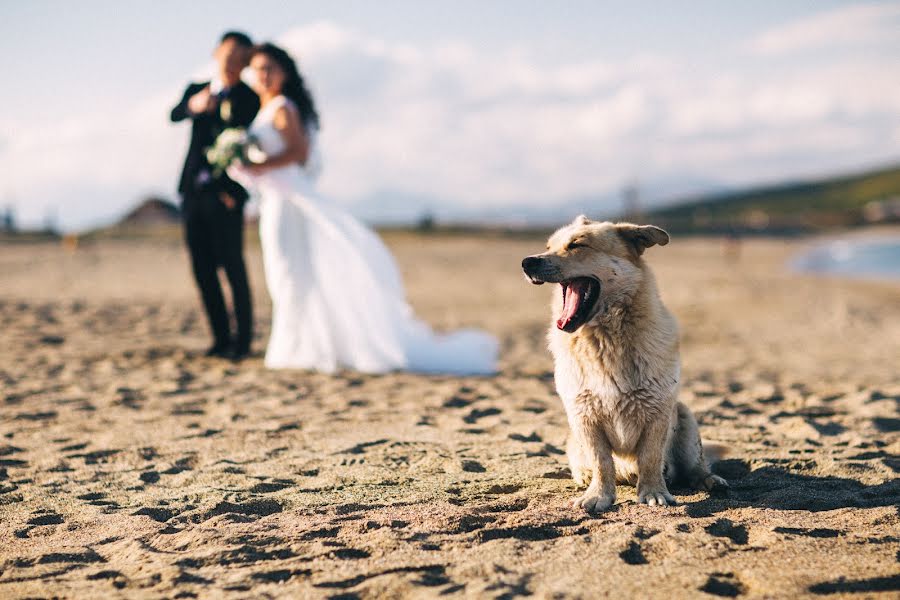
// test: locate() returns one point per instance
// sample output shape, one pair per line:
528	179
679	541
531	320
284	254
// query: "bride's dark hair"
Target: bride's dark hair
294	87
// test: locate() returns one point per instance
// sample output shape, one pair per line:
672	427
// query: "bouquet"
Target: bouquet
233	144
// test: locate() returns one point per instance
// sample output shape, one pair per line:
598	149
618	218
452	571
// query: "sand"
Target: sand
130	466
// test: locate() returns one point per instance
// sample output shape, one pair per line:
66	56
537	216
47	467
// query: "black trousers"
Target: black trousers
215	238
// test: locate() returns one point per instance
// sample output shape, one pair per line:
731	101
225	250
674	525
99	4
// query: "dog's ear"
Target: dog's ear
581	220
641	237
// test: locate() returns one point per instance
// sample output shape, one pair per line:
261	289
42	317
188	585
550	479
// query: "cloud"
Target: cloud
448	120
91	167
861	24
461	129
478	128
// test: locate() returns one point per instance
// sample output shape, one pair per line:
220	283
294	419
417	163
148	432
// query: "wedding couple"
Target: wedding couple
337	295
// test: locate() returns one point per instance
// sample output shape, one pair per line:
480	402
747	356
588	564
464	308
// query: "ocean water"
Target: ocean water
869	258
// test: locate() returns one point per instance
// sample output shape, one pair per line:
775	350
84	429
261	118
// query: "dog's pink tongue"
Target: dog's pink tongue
573	292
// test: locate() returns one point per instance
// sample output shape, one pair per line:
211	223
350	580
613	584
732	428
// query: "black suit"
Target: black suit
215	233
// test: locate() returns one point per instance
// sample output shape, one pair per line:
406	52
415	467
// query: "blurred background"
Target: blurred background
704	116
764	135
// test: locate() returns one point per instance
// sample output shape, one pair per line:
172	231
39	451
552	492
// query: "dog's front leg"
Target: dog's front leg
651	486
601	494
579	462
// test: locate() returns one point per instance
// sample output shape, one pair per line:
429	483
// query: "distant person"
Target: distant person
213	207
337	295
9	220
731	245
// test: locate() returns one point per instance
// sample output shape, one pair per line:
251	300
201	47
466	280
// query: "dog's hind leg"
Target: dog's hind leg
687	453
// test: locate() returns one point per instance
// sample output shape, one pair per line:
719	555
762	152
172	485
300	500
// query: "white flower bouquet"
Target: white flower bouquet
233	144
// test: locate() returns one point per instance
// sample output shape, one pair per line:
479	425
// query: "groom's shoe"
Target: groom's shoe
218	351
239	353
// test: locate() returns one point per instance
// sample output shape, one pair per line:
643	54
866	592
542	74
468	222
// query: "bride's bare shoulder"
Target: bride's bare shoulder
286	115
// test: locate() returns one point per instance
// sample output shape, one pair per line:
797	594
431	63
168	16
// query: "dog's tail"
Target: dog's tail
714	452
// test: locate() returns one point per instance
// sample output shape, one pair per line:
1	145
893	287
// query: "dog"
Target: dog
617	365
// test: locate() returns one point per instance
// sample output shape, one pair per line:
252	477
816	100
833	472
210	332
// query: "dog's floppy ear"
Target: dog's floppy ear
641	237
581	220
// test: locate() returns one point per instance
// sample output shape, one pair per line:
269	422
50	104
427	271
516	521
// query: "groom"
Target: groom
213	207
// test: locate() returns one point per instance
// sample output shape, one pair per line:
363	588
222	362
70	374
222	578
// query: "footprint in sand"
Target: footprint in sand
279	575
268	487
633	554
815	533
254	509
532	437
321	533
186	463
725	528
116	578
95	457
149	477
476	414
46	519
158	514
725	585
472	466
456	402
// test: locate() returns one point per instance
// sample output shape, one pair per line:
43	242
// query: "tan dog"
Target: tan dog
617	365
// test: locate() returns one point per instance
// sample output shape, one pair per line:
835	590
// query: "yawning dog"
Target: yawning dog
617	365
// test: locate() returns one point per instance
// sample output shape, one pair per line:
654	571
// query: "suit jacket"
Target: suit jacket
243	104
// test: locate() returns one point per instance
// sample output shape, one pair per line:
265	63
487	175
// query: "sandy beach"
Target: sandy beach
131	466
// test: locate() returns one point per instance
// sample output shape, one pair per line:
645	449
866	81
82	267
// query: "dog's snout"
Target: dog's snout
530	263
533	266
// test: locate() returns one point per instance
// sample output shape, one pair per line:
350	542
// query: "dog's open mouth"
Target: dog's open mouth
580	296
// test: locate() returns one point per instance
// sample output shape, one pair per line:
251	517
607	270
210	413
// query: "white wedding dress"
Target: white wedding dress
337	295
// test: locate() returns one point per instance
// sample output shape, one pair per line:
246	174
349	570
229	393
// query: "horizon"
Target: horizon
463	110
535	220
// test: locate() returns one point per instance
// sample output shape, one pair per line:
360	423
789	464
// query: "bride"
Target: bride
337	295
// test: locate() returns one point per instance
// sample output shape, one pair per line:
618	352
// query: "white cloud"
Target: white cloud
860	24
498	128
85	167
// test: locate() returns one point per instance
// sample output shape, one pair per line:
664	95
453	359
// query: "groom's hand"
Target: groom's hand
227	200
202	102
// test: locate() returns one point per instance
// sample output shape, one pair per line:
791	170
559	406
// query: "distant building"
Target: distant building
152	211
882	211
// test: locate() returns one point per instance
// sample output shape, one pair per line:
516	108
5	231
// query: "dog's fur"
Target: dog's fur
618	373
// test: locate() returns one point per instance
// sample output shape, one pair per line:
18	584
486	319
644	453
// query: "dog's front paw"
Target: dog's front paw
710	482
594	503
656	498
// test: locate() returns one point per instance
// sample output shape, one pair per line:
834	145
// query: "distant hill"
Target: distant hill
826	203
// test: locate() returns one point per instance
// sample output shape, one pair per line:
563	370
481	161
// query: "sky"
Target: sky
503	109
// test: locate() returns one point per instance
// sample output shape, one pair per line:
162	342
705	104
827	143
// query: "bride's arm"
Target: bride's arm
296	150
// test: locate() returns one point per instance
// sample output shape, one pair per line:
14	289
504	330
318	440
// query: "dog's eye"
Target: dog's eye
573	245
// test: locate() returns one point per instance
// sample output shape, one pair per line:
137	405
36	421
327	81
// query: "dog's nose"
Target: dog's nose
530	263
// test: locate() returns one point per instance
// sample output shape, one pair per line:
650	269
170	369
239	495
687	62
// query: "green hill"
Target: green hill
798	206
